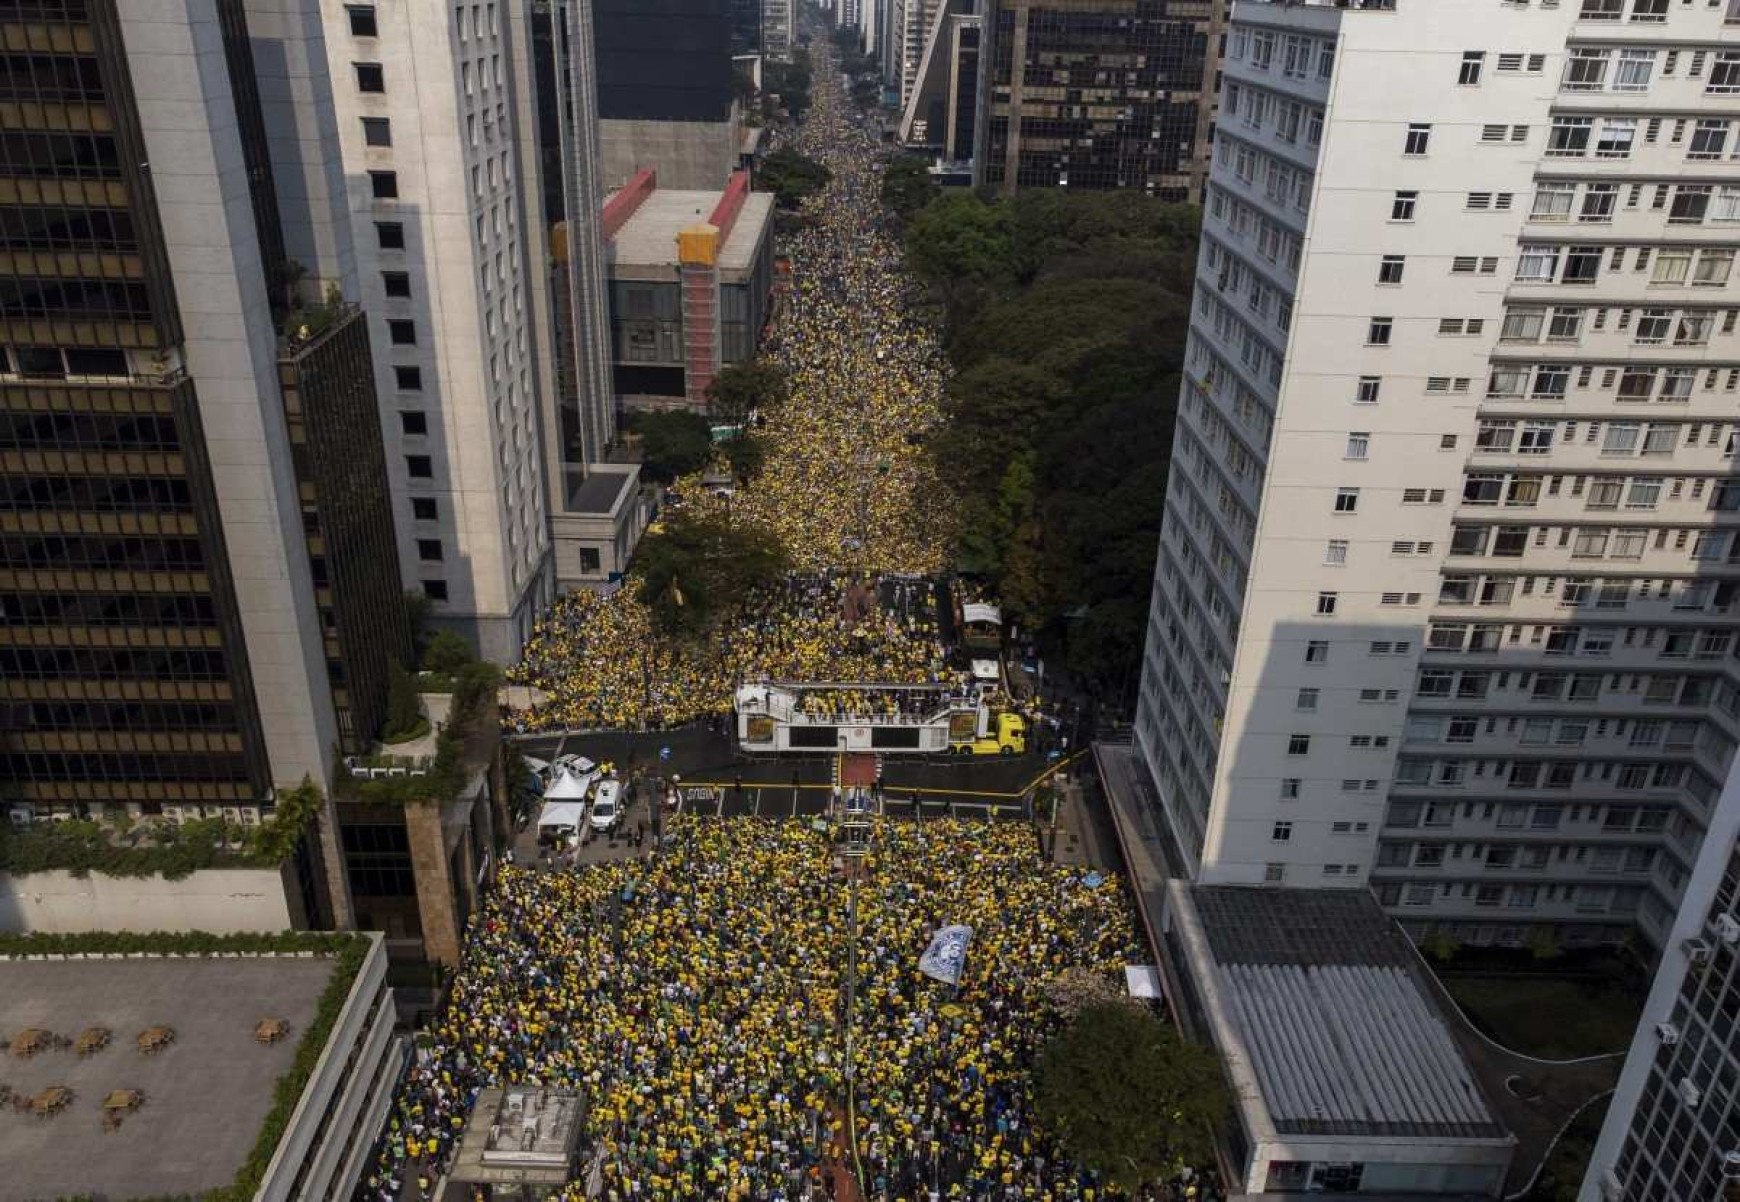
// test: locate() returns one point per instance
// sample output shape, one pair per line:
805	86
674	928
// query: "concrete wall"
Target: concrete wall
698	155
223	900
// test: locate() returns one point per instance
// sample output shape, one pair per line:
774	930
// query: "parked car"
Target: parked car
606	806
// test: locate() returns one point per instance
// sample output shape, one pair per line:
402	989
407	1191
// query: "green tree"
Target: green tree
907	186
789	83
1128	1096
740	388
699	567
673	443
405	719
791	176
746	455
446	653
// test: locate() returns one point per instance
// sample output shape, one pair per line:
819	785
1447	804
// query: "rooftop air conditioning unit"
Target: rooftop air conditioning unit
1667	1033
1727	929
1690	1094
1698	951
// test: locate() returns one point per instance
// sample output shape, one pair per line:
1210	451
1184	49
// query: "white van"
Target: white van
606	806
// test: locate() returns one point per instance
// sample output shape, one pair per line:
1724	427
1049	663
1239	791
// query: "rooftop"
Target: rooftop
206	1093
598	491
1316	995
649	237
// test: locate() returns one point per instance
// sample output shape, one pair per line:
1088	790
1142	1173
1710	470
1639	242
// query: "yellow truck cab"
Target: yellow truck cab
1010	738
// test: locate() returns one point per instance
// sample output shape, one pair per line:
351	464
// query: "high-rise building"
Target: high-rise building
436	132
1445	594
199	587
596	514
665	92
1095	94
1673	1127
778	28
745	27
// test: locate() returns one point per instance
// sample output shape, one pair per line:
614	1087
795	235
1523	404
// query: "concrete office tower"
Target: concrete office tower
1670	1129
596	514
1444	602
917	19
778	27
435	129
665	94
200	606
1096	94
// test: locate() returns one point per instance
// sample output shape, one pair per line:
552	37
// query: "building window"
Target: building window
1358	445
413	421
1282	832
1346	500
1335	552
1326	604
1274	874
1402	206
1306	700
1317	651
423	509
362	20
1472	61
377	131
1378	332
1390	269
1367	392
1299	745
429	550
370	77
420	467
1290	788
435	590
396	284
390	235
1419	137
384	185
402	332
589	562
408	379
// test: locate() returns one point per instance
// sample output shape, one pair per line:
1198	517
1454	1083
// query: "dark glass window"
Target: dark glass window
420	467
396	283
435	590
362	20
384	184
402	332
408	379
391	234
370	77
412	421
429	550
377	131
423	509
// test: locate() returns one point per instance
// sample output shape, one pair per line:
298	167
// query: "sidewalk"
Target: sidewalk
1148	860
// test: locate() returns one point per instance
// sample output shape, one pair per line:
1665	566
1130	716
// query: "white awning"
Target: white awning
1143	981
987	669
566	787
561	813
979	611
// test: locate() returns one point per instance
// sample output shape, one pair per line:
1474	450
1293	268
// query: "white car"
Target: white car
606	806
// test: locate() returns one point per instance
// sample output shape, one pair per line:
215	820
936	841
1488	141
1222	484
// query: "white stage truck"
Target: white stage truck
921	719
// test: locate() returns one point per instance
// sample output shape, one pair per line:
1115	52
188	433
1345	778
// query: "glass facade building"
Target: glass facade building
1094	94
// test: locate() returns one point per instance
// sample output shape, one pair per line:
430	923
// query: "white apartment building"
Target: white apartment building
434	120
1445	594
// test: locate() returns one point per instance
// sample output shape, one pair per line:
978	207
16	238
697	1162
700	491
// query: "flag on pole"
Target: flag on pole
946	955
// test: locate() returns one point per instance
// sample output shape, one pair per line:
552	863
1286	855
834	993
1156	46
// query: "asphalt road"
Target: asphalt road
702	758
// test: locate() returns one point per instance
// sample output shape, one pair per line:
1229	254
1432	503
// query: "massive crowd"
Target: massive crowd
696	998
847	481
597	663
846	487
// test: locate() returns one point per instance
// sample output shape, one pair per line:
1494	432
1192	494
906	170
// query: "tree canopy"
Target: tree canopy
907	186
790	176
673	443
790	82
742	387
695	569
1128	1096
1065	317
